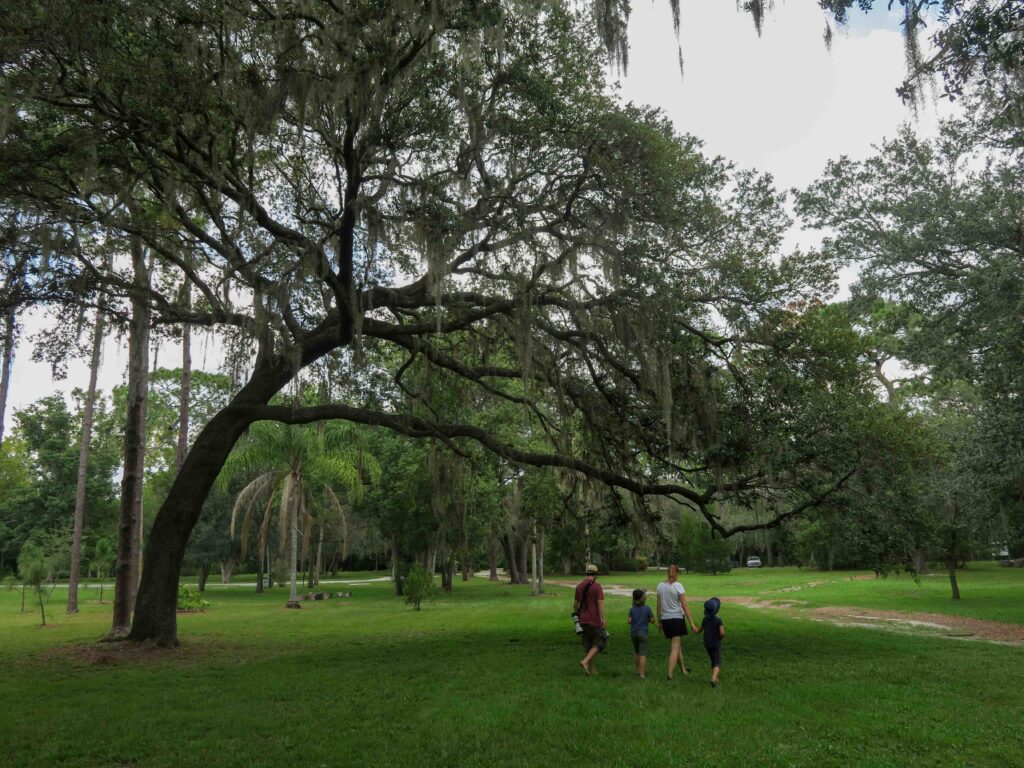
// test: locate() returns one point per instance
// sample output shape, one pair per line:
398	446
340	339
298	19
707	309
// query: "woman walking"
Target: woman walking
672	609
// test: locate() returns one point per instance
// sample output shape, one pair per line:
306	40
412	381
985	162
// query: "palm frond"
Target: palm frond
248	495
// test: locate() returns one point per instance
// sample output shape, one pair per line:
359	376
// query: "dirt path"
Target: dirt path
932	624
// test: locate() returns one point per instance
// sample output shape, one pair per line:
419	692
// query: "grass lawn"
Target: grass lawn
987	590
488	676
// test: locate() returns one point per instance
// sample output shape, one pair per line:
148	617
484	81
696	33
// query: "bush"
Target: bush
190	599
630	564
419	586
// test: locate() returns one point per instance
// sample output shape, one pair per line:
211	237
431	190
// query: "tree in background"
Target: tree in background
294	468
43	460
34	569
102	559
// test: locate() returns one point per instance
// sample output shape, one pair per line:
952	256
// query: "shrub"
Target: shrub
419	586
190	600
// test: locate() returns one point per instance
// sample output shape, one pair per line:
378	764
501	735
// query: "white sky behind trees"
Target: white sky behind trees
780	103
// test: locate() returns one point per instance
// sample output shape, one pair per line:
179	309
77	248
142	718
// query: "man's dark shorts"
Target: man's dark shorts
593	637
715	654
639	644
673	627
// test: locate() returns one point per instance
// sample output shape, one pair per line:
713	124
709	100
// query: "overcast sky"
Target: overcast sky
780	103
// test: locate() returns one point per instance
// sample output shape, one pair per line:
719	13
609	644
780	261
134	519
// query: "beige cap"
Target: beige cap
591	568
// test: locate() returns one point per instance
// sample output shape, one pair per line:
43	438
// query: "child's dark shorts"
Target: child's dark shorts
639	644
715	654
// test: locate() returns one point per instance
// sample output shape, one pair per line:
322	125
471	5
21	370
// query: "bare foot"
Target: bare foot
586	669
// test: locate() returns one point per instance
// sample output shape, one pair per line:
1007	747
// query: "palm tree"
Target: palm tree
294	468
103	556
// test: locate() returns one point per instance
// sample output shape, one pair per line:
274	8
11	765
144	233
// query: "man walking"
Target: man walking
589	606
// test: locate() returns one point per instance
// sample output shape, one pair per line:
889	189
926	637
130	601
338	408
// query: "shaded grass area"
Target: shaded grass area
488	677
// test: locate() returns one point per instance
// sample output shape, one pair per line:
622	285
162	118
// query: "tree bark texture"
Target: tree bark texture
293	554
953	586
83	465
492	556
10	328
204	574
259	575
186	389
540	561
524	560
396	568
534	584
510	560
125	576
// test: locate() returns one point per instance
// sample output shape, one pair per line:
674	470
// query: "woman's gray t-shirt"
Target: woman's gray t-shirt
668	595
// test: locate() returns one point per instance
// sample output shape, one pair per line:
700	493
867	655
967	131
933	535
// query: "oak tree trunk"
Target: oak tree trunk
155	615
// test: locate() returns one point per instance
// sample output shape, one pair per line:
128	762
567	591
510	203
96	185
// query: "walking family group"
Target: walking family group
672	615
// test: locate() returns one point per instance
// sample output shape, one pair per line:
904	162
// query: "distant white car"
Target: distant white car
753	562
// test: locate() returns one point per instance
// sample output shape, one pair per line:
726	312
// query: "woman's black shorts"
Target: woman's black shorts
673	627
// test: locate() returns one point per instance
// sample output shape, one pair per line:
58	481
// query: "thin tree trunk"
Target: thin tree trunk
259	574
319	559
227	567
492	556
951	566
540	561
83	464
129	526
524	555
204	574
293	557
510	559
10	329
534	585
920	562
186	386
396	568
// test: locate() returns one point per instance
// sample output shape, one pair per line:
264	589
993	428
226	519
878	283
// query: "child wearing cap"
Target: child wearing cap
640	616
713	630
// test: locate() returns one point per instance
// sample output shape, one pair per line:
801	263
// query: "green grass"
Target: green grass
987	590
488	676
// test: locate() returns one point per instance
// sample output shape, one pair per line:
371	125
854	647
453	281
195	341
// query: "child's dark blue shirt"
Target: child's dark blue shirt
712	635
639	617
